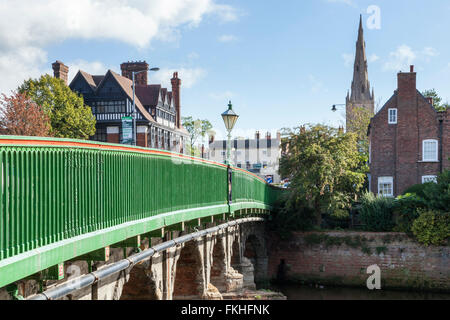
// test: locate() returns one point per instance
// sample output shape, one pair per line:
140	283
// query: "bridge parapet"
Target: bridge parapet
62	198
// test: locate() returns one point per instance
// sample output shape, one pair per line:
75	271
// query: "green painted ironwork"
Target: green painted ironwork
62	198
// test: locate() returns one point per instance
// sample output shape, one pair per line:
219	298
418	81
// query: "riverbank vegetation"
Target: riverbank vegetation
327	173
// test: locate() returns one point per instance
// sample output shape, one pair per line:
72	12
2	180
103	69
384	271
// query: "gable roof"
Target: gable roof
148	94
127	86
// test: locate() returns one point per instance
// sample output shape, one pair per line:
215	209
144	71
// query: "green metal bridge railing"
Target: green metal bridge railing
61	198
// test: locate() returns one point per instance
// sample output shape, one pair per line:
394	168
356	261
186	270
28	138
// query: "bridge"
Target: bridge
73	208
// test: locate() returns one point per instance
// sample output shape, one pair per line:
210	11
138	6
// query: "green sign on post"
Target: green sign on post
127	130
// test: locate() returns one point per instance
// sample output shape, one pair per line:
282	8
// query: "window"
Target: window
386	186
426	179
392	116
430	150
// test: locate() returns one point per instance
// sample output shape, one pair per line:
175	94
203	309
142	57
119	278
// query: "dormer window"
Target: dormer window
392	116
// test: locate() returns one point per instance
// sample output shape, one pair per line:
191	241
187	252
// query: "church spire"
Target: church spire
361	95
360	85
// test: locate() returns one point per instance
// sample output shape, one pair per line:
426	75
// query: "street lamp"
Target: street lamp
334	109
229	118
134	103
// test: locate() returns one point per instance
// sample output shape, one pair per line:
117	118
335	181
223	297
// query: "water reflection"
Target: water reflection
305	292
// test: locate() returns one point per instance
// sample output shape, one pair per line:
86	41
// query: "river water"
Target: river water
305	292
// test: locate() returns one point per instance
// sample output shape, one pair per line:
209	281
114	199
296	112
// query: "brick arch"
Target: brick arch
254	250
142	284
189	278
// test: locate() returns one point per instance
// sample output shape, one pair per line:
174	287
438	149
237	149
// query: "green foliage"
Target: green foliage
437	195
437	100
196	128
381	250
376	213
69	116
358	122
432	227
418	189
330	241
324	168
289	217
405	211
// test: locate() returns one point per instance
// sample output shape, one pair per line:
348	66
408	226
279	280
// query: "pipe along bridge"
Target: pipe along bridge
71	208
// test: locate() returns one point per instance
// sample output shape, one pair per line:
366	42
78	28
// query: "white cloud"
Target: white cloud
227	38
189	76
429	51
373	57
400	59
29	26
404	56
94	68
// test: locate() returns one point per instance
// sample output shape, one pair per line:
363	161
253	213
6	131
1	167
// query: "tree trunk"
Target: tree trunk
318	212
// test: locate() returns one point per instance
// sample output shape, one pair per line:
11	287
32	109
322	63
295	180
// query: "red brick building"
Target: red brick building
409	140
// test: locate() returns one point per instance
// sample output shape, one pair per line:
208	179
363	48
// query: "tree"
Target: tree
196	128
21	116
324	168
437	100
359	124
69	116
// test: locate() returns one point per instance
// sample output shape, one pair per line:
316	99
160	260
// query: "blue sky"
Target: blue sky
282	63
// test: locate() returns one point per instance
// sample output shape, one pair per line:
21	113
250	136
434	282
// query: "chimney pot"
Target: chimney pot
411	69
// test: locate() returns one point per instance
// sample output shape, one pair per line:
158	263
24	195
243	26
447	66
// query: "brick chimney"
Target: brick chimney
60	71
407	84
176	84
135	66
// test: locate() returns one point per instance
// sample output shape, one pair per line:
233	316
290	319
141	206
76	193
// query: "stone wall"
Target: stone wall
342	258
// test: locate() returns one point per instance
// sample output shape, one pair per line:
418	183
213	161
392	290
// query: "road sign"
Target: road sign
269	179
127	130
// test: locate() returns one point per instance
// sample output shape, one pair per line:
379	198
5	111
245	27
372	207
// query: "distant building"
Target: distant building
361	95
260	155
409	140
111	98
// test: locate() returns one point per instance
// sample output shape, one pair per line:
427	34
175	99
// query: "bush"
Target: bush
437	195
432	227
376	213
289	217
339	218
417	189
405	211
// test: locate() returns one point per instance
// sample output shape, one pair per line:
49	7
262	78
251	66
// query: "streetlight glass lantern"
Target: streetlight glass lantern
230	117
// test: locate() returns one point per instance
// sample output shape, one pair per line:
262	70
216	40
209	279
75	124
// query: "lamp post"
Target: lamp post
334	109
229	118
134	73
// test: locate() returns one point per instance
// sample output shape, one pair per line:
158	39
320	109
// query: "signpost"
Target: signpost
127	130
269	179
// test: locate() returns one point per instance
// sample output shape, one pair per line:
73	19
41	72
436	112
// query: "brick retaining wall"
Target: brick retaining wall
404	263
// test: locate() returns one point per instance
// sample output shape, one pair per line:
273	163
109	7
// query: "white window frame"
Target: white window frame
386	180
389	116
436	153
430	178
